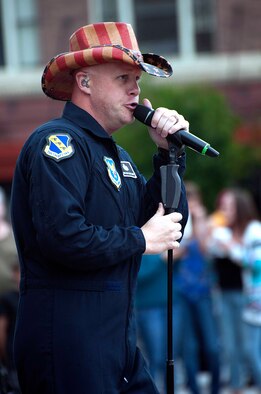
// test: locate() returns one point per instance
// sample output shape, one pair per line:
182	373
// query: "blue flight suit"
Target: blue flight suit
77	205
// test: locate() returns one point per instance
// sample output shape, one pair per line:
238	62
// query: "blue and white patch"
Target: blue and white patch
128	170
58	146
112	172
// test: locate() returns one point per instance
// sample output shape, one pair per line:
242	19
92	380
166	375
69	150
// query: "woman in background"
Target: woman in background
234	247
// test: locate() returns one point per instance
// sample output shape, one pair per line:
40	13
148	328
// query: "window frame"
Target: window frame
12	26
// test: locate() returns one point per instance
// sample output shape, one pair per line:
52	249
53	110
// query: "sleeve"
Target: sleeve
57	199
252	250
248	253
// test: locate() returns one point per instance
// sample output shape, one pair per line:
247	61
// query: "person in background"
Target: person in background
237	248
8	251
8	313
9	283
151	307
83	216
195	326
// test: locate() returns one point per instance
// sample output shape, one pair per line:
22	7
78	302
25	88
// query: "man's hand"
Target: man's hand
161	232
164	122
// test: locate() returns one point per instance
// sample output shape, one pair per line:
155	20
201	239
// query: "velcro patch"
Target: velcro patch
127	170
112	172
58	146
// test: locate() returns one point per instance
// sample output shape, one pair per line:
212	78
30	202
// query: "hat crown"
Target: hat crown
99	34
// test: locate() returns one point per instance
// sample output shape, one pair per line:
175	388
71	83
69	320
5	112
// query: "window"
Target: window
109	10
156	25
204	25
178	27
19	33
26	22
2	60
154	21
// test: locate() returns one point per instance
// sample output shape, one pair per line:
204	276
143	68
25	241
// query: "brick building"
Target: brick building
208	41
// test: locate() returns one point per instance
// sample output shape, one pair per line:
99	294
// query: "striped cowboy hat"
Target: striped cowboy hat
95	44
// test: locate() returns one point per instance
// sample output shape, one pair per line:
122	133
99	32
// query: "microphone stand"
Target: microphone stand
170	191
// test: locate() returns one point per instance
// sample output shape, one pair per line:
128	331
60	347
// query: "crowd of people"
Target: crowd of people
217	296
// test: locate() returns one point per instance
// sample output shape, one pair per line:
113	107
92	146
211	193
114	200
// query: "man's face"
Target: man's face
114	93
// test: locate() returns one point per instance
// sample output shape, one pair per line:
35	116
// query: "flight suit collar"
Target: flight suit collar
83	119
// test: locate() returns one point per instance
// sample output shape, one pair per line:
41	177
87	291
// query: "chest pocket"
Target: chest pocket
112	198
133	190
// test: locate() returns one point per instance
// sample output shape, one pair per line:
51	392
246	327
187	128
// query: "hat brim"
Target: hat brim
57	78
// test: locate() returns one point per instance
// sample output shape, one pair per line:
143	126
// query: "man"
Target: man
83	216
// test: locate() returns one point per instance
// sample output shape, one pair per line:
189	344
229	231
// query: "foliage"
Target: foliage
211	119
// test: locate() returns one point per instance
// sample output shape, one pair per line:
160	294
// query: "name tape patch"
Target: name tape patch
128	170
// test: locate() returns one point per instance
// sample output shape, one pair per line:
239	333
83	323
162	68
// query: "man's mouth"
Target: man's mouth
131	106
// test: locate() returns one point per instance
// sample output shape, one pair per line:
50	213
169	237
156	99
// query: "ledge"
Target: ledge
190	69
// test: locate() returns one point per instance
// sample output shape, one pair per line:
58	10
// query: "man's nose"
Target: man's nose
135	89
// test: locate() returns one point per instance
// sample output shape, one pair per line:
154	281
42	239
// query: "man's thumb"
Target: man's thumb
160	210
147	103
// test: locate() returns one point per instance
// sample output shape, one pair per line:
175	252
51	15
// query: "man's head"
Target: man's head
109	92
95	44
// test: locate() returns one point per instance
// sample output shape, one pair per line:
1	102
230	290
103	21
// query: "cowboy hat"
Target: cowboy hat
95	44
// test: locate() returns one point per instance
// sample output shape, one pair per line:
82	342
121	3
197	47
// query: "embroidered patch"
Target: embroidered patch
112	172
127	170
58	146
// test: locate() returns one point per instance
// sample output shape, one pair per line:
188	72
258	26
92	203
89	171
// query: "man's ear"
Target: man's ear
82	80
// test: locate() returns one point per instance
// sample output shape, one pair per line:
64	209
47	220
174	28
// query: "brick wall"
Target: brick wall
239	27
18	118
57	21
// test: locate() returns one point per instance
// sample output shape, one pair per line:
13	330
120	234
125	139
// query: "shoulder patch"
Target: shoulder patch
58	146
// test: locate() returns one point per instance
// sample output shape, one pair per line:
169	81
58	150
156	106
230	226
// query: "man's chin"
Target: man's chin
130	121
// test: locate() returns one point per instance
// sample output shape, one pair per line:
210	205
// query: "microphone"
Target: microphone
181	137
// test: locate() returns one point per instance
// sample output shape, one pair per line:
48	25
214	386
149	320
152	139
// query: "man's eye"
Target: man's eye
123	77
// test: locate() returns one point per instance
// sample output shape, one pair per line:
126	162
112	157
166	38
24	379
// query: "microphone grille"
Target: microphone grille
143	114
